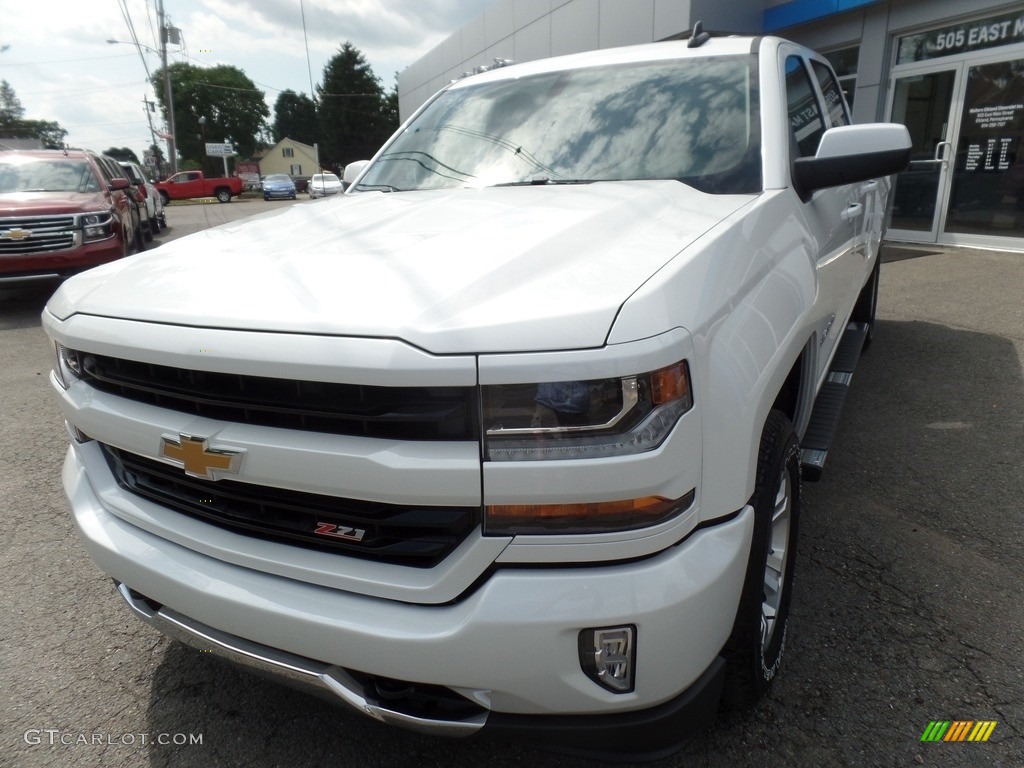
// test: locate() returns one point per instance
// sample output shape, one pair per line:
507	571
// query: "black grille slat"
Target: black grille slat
408	413
404	535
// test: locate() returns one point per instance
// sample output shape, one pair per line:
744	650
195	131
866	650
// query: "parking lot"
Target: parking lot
908	606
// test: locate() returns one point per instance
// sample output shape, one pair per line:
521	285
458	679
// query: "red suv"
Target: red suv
62	211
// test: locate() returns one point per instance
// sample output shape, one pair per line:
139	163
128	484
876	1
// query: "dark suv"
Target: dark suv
62	211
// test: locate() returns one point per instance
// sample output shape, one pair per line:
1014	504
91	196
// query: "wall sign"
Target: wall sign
961	38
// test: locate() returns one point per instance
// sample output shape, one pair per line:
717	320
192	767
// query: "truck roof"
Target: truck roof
730	45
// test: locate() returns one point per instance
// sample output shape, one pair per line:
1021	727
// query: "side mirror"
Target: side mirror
119	183
852	153
352	171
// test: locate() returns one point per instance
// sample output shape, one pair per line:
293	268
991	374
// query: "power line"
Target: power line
64	61
133	84
135	39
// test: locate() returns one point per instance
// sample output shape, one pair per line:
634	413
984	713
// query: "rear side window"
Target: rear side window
833	94
805	118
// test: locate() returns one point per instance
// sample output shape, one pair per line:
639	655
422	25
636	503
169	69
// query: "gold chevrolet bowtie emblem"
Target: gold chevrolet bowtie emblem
194	455
17	234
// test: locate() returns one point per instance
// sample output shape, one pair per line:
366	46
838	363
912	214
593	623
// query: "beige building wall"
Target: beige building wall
296	159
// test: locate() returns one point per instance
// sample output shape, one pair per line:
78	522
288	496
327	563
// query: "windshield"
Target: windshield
34	175
693	120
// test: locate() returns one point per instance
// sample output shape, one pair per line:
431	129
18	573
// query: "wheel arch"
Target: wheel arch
796	396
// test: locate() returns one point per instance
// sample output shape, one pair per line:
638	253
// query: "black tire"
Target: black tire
147	230
164	198
867	302
223	195
136	241
266	197
754	651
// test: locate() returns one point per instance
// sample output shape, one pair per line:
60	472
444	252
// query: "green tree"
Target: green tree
389	114
122	153
14	125
11	111
294	118
232	106
350	101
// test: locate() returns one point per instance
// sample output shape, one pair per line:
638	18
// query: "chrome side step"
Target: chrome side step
828	406
289	668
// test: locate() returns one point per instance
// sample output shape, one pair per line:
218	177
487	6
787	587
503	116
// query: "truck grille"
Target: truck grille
417	536
397	413
37	234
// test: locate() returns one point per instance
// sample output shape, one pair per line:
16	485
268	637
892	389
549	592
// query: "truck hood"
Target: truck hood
51	203
508	269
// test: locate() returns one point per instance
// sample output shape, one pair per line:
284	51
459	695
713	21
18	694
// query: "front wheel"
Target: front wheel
754	651
164	197
224	195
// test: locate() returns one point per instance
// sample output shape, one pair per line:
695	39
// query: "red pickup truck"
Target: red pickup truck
187	184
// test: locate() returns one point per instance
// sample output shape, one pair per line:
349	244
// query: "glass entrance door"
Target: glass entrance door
923	102
965	184
986	198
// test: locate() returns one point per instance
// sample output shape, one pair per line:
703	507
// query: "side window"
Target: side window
805	121
833	95
844	63
104	171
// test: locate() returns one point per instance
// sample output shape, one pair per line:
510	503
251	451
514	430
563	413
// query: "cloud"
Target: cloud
62	69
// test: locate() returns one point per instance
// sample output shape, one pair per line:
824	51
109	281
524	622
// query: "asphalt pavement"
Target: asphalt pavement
908	606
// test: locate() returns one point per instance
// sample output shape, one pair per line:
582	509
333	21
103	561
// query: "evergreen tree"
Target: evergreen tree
350	104
294	118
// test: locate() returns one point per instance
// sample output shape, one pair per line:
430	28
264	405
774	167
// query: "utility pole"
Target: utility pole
172	153
147	107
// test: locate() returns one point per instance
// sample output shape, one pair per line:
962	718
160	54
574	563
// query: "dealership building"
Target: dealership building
951	70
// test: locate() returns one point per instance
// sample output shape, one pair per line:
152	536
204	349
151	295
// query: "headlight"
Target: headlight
68	364
584	419
96	226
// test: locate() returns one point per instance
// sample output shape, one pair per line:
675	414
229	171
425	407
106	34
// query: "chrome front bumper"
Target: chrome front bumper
292	669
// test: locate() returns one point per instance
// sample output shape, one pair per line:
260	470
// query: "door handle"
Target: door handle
941	156
853	211
869	187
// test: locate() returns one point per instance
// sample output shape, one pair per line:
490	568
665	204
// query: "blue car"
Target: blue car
279	185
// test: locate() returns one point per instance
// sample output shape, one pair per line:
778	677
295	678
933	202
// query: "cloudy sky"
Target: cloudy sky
55	55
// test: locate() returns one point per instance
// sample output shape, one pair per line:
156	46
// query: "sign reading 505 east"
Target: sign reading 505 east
961	38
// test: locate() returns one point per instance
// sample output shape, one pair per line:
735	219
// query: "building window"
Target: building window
844	62
287	152
296	170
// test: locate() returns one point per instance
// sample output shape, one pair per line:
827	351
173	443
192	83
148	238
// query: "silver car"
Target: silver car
324	184
154	218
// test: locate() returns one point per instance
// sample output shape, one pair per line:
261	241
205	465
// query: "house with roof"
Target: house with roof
289	156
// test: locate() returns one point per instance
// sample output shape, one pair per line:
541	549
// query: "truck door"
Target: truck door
834	216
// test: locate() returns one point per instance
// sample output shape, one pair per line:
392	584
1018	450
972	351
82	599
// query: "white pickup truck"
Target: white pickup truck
509	437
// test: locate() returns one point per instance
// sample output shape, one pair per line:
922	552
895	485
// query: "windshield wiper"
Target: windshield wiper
379	187
540	181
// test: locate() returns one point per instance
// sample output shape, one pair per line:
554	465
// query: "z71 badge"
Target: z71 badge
339	531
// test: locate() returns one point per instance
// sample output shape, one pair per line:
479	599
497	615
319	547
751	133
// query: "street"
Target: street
907	606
